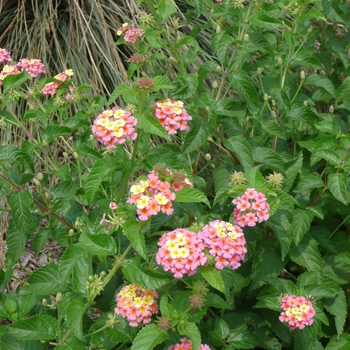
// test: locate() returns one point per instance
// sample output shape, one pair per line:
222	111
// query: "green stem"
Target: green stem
342	223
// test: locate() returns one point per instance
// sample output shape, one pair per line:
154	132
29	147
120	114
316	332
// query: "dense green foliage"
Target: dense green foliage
266	86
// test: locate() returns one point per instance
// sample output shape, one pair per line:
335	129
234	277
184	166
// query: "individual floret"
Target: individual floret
181	252
136	304
225	242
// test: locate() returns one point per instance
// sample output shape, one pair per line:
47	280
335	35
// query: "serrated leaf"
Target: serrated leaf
64	189
196	137
135	273
40	238
9	342
51	132
325	154
308	183
339	343
136	237
151	124
241	148
161	82
271	303
337	306
191	195
243	340
14	80
38	327
74	318
244	86
149	337
324	290
268	158
191	330
320	81
254	178
337	184
302	220
273	129
306	254
119	90
45	280
99	171
213	277
308	278
262	20
72	343
343	91
215	300
98	244
187	86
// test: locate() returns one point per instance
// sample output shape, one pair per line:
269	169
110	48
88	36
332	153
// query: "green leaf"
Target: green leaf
272	303
14	80
241	148
15	242
52	132
98	244
72	343
191	330
268	158
243	340
308	278
136	237
343	91
45	280
151	124
191	195
9	342
40	238
337	306
64	189
339	343
320	81
328	289
313	13
74	318
262	20
196	137
213	277
254	178
165	9
306	254
308	183
119	90
292	170
187	86
161	82
273	129
337	184
100	169
38	327
302	220
149	337
146	278
244	86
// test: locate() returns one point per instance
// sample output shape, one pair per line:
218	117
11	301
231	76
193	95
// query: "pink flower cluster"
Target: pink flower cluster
157	194
114	126
225	242
136	304
172	115
297	312
131	34
137	59
187	345
144	83
5	56
181	252
51	88
251	208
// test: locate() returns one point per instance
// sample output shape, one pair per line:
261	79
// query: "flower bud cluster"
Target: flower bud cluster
137	59
5	56
181	252
114	126
172	115
130	33
51	88
226	243
136	304
187	345
251	208
297	311
157	192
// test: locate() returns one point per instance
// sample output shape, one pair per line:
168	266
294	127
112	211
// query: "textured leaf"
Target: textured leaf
51	132
119	90
74	316
243	340
191	330
135	273
242	83
100	169
254	178
38	327
72	343
213	277
196	137
241	148
339	343
337	184
9	342
337	306
161	82
268	158
271	303
262	20
191	195
302	220
320	81
14	80
306	254
308	183
151	124
98	244
64	189
136	237
45	280
149	337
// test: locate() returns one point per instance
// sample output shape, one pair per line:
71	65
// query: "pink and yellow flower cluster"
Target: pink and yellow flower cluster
114	126
154	195
51	88
172	115
136	304
181	252
187	345
297	311
225	242
131	34
251	208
